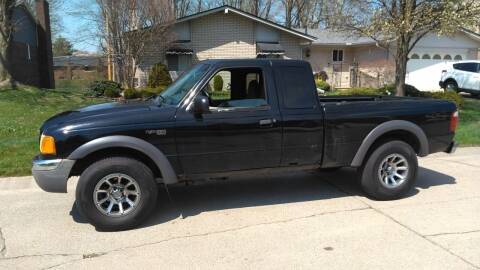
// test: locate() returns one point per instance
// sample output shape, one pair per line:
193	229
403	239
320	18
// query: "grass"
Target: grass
22	112
468	131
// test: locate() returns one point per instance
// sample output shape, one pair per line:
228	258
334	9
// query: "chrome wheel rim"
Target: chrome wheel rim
116	195
393	171
450	87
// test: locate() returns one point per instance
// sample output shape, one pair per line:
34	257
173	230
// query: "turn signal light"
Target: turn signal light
47	145
454	121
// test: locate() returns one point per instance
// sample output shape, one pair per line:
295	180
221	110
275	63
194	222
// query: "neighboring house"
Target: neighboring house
223	32
30	49
79	67
348	61
351	61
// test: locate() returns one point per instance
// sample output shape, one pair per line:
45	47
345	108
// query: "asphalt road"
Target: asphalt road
293	221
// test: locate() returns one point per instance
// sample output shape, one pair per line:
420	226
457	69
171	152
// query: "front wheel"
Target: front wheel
390	171
116	193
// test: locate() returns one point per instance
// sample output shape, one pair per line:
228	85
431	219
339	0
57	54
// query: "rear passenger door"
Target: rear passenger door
302	116
467	75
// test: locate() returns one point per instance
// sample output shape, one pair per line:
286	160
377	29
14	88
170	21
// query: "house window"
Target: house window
414	56
457	57
426	56
437	57
447	57
337	56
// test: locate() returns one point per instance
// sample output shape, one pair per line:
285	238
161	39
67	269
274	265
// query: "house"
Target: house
223	32
30	49
348	61
79	67
351	61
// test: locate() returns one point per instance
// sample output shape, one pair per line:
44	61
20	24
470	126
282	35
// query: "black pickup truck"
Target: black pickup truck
266	116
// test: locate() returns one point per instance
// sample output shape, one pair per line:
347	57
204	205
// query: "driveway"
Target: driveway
294	221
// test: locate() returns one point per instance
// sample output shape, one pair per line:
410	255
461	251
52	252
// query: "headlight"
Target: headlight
47	145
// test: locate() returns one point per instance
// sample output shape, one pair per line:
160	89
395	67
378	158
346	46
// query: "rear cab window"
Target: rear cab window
469	67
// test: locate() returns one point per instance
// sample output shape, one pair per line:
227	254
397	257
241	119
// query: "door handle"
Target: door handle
267	122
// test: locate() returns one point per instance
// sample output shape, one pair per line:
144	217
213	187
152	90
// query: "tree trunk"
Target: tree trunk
401	66
5	34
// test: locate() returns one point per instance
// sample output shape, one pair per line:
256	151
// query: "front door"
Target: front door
240	132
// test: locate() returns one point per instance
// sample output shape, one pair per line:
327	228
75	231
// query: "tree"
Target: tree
6	28
400	24
62	46
129	26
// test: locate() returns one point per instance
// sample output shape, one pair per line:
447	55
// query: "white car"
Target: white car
462	76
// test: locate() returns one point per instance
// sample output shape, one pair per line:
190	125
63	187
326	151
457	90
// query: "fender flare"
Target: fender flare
168	174
394	125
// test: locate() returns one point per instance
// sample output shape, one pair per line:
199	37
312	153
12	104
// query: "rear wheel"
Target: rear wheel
390	171
451	86
116	193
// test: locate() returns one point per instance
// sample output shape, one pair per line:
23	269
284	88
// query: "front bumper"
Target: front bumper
452	148
52	175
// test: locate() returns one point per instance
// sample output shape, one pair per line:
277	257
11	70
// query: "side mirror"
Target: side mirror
201	105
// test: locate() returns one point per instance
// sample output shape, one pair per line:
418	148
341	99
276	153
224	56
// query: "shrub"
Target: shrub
112	93
159	76
148	92
131	93
323	85
99	88
218	83
363	91
450	96
322	75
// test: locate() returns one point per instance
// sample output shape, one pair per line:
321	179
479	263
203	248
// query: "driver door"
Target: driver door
241	130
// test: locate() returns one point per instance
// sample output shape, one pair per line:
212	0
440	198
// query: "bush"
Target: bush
363	91
450	96
131	93
323	85
218	83
159	76
112	93
99	89
148	92
322	75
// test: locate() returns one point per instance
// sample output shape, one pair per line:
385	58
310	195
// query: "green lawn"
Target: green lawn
22	112
468	132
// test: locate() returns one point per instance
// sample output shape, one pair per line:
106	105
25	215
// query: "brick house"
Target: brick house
30	48
223	32
351	61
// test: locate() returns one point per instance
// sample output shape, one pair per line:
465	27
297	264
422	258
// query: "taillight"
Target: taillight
454	121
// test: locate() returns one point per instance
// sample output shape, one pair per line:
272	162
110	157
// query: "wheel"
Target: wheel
451	86
116	193
390	171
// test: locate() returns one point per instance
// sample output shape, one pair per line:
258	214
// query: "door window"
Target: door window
236	88
469	67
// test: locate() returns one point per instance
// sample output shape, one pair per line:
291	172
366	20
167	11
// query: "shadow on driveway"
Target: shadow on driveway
261	190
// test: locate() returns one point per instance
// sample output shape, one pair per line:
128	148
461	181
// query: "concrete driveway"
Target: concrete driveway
295	221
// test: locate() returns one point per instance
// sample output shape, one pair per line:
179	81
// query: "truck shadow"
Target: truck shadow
261	190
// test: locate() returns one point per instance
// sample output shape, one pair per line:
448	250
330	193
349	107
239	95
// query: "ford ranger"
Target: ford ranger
265	116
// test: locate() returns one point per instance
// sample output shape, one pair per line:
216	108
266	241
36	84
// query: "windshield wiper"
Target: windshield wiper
161	97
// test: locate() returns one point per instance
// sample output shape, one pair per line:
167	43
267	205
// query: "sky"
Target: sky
73	27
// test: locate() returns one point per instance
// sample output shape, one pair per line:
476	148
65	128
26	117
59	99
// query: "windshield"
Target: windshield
176	91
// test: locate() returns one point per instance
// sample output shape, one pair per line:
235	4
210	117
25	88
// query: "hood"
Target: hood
113	112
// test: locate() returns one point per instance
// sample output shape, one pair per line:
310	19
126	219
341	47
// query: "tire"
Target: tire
376	181
94	186
451	86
